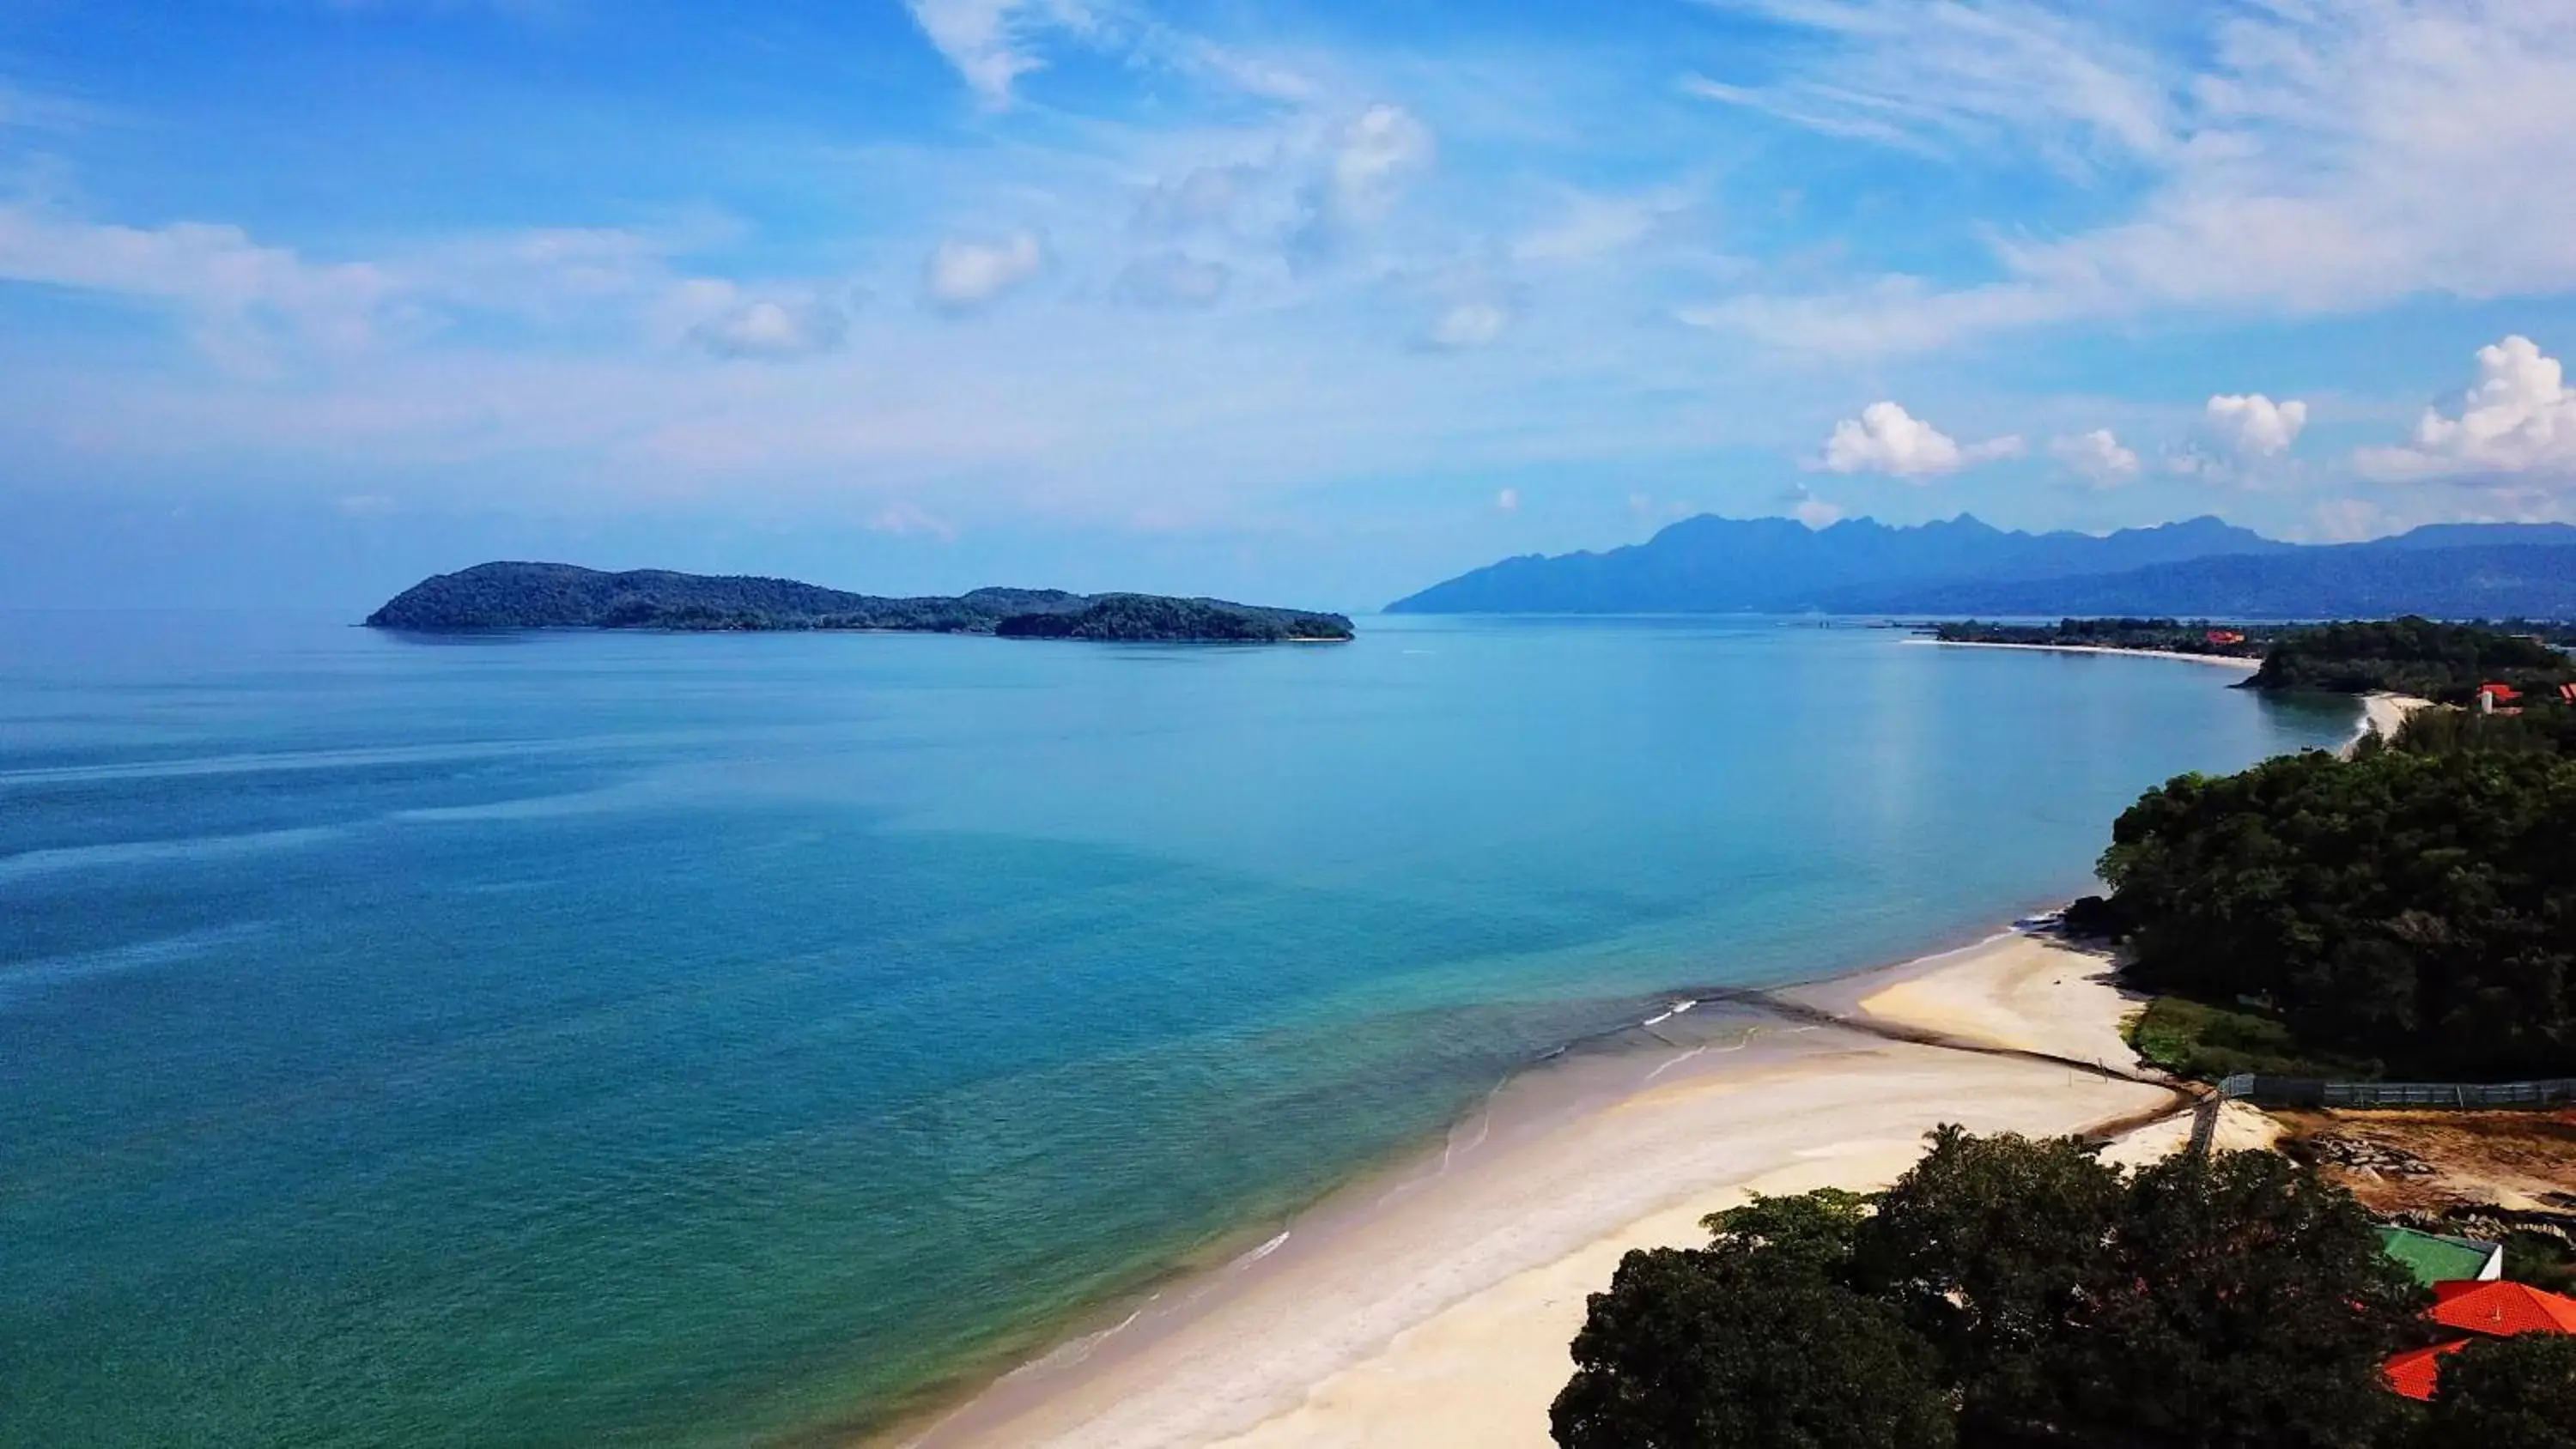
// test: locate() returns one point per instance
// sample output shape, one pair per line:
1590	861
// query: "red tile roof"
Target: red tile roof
2502	1309
2414	1372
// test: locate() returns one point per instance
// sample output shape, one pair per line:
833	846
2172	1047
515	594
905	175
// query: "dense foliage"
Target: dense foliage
560	596
2415	907
2541	729
2506	1393
1730	1348
2445	662
1147	616
2036	1296
2199	636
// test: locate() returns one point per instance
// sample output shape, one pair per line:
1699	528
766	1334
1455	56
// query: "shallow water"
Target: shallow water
714	1040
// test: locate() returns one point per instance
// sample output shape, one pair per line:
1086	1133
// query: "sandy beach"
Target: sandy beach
2381	714
2222	660
1433	1305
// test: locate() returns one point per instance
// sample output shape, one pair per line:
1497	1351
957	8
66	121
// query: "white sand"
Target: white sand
1438	1312
2381	714
2222	660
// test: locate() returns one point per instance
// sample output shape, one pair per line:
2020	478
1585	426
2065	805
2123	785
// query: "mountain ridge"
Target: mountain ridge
1711	564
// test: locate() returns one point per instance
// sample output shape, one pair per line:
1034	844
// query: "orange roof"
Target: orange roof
2414	1372
2502	1309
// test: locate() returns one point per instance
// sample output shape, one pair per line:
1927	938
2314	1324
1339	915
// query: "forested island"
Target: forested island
497	596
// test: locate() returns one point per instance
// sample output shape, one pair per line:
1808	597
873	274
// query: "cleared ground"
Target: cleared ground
2428	1161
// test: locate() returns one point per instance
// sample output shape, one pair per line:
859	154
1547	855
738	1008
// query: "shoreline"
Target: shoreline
1441	1290
2382	714
2229	661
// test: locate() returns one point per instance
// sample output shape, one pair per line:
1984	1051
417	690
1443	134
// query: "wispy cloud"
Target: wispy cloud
1966	75
2334	156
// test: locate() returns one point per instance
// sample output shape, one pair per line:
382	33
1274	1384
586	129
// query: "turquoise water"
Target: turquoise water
715	1040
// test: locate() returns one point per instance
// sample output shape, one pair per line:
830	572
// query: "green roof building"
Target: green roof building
2436	1259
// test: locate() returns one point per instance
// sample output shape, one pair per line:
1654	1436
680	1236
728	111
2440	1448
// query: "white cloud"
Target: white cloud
989	41
2519	417
218	275
2255	426
1476	322
2300	157
1807	508
773	331
1885	438
1172	279
2097	457
964	275
1508	501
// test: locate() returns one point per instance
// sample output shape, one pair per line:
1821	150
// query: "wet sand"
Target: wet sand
1433	1303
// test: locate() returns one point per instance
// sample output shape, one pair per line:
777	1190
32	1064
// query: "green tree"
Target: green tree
2241	1303
1729	1349
1985	1246
1815	1230
2506	1393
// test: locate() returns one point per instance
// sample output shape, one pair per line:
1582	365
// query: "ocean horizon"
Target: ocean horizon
744	1039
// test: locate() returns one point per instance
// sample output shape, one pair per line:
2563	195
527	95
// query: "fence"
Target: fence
2308	1092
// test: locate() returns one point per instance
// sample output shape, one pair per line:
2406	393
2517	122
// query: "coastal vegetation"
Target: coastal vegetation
562	596
2017	1292
2173	636
2198	1040
2411	909
2506	1393
2416	908
1149	616
2413	656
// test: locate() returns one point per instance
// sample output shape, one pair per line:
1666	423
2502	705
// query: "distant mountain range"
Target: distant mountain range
2200	567
564	596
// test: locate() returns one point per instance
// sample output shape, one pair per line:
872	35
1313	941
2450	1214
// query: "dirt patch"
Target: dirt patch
2428	1161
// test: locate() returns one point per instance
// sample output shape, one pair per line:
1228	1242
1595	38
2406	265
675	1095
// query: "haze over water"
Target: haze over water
713	1040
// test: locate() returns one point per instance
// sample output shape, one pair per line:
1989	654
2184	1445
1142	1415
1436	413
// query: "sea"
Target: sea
609	1039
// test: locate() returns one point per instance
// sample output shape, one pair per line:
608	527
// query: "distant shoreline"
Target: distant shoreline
2229	661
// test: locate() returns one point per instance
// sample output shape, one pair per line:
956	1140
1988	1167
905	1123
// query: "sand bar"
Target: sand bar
1433	1306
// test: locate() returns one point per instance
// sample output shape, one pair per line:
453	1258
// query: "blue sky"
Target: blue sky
1310	302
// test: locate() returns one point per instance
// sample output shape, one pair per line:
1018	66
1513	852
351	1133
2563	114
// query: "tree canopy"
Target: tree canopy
2414	907
2034	1294
2445	662
2506	1393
